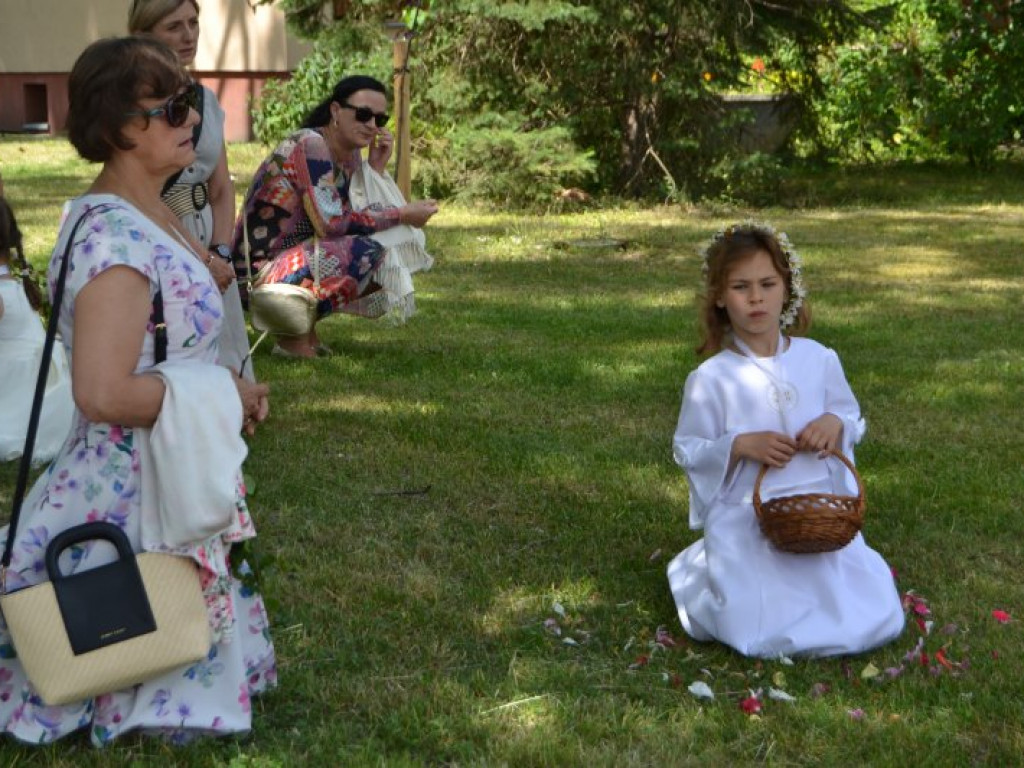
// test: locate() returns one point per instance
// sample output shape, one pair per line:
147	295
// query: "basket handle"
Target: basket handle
838	454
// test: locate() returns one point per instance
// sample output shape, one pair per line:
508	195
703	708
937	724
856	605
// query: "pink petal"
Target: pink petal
1001	616
856	714
664	638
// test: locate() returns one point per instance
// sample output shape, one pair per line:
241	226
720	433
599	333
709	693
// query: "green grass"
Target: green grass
434	493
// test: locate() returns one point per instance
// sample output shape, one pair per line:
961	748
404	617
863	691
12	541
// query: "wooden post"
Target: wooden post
403	137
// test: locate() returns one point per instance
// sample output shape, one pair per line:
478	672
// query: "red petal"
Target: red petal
751	705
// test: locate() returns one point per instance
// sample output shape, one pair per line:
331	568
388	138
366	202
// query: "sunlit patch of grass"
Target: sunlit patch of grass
433	492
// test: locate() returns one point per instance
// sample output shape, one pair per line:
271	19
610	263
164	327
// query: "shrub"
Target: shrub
493	158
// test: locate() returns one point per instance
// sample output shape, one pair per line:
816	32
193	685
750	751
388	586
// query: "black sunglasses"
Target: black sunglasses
175	111
365	115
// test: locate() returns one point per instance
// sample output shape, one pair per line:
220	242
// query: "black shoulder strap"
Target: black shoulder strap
160	354
37	399
197	131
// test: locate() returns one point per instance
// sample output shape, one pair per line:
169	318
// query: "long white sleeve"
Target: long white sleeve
701	445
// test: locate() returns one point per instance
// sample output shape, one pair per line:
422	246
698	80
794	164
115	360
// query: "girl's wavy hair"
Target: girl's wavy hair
12	253
730	246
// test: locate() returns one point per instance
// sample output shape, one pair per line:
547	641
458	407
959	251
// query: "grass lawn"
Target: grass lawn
467	518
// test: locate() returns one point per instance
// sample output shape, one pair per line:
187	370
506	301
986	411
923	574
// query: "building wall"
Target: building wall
239	50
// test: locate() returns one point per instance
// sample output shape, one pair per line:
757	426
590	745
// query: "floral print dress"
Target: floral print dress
96	477
299	194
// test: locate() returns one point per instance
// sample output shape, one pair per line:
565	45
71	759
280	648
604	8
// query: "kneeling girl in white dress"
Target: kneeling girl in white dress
767	397
21	348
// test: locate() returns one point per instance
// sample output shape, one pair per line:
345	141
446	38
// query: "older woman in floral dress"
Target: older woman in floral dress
129	110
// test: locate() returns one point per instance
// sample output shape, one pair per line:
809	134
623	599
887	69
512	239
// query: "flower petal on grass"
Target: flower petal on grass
662	637
558	608
915	653
640	661
785	660
751	705
855	714
1001	616
869	672
551	625
818	690
701	690
940	656
569	641
777	695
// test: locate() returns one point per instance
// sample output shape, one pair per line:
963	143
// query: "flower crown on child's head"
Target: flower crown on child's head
797	291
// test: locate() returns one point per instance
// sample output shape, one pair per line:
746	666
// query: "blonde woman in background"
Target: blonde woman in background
202	196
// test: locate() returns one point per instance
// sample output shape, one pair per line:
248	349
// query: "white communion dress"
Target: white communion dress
21	348
733	585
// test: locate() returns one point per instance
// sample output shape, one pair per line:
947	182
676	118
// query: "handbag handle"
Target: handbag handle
160	348
837	453
98	530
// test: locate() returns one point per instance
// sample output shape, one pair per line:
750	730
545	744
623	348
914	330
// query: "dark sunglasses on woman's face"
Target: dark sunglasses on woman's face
365	115
175	111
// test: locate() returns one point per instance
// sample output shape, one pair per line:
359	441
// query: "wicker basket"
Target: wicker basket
811	522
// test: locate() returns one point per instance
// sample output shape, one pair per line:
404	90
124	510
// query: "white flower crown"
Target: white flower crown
797	291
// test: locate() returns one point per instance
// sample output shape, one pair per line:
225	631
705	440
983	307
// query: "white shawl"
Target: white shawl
191	458
406	245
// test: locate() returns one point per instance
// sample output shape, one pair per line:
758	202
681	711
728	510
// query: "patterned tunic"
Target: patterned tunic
96	477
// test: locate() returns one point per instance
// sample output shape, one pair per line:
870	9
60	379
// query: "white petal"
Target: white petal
701	690
775	693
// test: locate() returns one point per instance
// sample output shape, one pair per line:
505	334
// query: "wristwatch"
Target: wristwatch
222	250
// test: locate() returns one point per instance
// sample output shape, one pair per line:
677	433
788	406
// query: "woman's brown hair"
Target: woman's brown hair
107	82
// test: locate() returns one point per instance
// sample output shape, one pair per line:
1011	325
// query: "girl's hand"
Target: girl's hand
417	213
821	435
380	150
772	448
